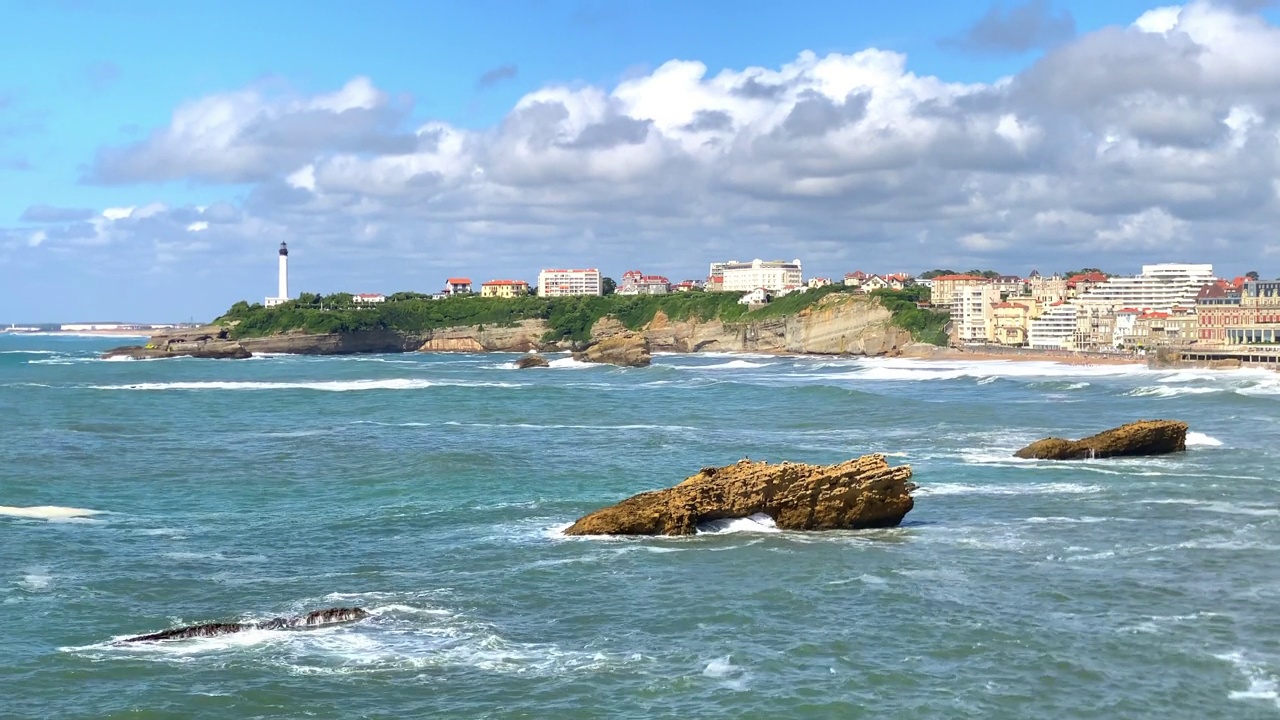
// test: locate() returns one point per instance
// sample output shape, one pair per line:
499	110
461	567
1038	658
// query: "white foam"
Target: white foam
1263	684
28	352
47	512
731	365
1167	391
730	676
568	363
757	523
914	370
1027	489
324	386
36	580
1223	507
1199	439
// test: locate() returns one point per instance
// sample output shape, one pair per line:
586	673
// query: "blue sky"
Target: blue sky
89	85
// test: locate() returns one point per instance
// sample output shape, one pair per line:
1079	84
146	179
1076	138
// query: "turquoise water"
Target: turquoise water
431	489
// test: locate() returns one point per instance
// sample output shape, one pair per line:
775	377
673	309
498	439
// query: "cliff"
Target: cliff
836	324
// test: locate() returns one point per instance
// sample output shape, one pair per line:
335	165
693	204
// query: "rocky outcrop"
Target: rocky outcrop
628	349
523	336
1145	437
862	493
532	361
317	618
214	350
838	324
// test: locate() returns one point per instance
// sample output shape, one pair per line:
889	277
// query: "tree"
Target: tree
930	274
984	273
607	286
1084	271
1251	275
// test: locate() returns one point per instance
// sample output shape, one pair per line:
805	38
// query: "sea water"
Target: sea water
432	491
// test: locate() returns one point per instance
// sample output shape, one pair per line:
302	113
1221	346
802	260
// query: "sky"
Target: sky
153	155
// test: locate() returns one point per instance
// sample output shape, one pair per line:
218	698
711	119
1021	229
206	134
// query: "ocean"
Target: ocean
432	489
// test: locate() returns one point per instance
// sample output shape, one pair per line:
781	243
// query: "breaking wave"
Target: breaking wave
47	512
323	386
1199	439
757	523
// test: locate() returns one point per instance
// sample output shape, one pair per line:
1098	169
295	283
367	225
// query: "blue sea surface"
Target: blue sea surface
432	491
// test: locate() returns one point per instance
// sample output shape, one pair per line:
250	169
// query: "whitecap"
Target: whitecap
47	512
757	523
731	365
993	489
35	580
1199	439
1263	683
569	363
324	386
1166	391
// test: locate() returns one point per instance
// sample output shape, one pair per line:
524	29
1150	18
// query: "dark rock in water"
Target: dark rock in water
862	493
532	361
1145	437
317	618
212	350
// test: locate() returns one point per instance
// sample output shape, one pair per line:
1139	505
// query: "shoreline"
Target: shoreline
1061	357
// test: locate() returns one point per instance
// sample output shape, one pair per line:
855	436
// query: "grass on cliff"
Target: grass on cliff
568	318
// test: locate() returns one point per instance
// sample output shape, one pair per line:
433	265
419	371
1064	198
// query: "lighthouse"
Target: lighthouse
282	294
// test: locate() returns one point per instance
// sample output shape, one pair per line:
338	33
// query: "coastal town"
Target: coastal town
1177	305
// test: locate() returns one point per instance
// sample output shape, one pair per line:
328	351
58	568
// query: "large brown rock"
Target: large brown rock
532	361
861	493
211	350
629	349
1145	437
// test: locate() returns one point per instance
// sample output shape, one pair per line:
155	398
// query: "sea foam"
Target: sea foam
757	523
47	512
323	386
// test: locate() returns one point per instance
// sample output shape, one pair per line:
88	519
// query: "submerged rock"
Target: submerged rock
861	493
627	349
532	361
317	618
1145	437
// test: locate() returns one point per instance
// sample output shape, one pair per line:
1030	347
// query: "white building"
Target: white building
772	275
282	292
562	283
970	311
1159	288
1054	329
368	298
759	296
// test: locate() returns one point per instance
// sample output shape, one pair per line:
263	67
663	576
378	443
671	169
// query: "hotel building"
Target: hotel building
772	275
563	283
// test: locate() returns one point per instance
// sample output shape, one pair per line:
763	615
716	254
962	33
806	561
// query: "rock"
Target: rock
317	618
532	361
211	350
628	349
861	493
1145	437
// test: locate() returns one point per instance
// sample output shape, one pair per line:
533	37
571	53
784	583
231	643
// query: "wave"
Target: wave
916	370
29	352
757	523
1024	489
324	386
1199	439
731	365
47	512
568	363
1223	507
1166	391
1263	683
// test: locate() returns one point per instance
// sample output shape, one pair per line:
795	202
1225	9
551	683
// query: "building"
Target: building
1010	322
759	296
687	286
1010	285
1124	329
504	288
563	283
1217	308
772	275
815	283
944	288
855	279
635	282
1055	329
1047	290
1259	315
971	312
1078	285
282	291
368	298
456	286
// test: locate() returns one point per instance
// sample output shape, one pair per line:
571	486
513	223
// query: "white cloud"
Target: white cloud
37	238
198	226
1160	20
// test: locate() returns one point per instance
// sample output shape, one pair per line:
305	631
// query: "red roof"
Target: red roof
857	275
1153	316
1086	278
458	281
370	295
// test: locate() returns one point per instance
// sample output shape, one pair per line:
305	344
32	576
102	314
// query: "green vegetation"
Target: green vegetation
930	274
925	325
1084	271
569	318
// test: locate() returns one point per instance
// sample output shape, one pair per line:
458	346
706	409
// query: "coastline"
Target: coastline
1018	355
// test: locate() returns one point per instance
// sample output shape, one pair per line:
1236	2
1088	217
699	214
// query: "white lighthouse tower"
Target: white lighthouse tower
283	291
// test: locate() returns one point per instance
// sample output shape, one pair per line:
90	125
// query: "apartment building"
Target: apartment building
945	288
1009	321
504	288
772	275
1055	329
563	283
971	312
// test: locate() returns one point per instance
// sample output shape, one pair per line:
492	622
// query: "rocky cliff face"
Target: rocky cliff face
522	337
862	493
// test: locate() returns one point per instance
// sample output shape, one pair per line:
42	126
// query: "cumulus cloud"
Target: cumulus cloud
1159	140
1027	26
